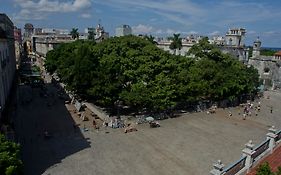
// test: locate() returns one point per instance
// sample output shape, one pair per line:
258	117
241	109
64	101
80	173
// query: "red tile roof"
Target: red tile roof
278	53
273	159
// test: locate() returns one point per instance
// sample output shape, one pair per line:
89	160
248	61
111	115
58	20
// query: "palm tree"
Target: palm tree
150	38
176	42
74	33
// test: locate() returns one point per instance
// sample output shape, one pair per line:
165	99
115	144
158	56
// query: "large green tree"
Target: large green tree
10	163
133	70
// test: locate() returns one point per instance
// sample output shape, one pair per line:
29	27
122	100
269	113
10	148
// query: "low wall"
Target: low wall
251	155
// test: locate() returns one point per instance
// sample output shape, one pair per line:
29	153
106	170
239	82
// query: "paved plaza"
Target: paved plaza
189	144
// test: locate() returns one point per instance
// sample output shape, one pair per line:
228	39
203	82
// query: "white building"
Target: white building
41	44
232	43
7	59
123	30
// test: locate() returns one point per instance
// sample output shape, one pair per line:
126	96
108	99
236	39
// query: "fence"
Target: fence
251	155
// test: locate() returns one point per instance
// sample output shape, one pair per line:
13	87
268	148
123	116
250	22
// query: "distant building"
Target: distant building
256	48
232	43
277	55
123	30
38	31
267	66
235	37
7	59
28	30
41	44
101	34
18	44
17	35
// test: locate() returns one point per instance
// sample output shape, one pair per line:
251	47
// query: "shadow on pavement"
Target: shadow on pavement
45	128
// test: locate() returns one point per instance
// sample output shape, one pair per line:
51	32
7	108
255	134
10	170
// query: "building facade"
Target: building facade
123	30
28	30
18	44
41	44
7	59
232	43
268	67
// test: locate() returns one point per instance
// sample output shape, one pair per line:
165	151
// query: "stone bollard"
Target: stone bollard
248	152
271	135
218	168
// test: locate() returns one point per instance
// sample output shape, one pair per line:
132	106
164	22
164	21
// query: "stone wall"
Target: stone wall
273	76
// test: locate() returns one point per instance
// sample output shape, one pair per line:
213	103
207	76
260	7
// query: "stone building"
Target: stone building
123	30
232	43
28	30
7	59
101	34
41	44
267	66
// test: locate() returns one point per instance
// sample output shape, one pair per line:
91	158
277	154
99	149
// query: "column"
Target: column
218	168
248	152
271	135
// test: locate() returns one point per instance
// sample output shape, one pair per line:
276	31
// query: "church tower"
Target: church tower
256	48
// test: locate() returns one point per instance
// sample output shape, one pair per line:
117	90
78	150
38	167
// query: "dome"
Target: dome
28	26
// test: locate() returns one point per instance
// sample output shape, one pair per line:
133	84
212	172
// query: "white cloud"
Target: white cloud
214	33
191	32
142	29
31	9
86	15
159	31
180	11
54	5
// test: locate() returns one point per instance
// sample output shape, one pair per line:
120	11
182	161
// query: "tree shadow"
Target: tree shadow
45	128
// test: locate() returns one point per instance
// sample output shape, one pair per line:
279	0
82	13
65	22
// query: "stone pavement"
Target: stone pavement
185	145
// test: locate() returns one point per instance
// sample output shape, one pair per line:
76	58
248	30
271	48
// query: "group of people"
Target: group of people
249	107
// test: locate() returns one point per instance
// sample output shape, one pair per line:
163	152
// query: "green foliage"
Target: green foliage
150	38
10	164
74	33
264	169
133	70
91	35
176	42
35	68
267	52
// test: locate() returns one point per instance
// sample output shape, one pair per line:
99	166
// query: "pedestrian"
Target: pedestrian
271	109
94	124
244	116
229	113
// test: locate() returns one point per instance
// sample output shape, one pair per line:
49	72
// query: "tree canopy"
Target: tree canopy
133	70
10	163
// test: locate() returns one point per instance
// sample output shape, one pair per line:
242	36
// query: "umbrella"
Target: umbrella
149	119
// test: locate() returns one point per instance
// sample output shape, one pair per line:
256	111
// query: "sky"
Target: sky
260	18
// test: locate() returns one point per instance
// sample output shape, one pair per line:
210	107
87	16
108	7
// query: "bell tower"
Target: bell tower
256	48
